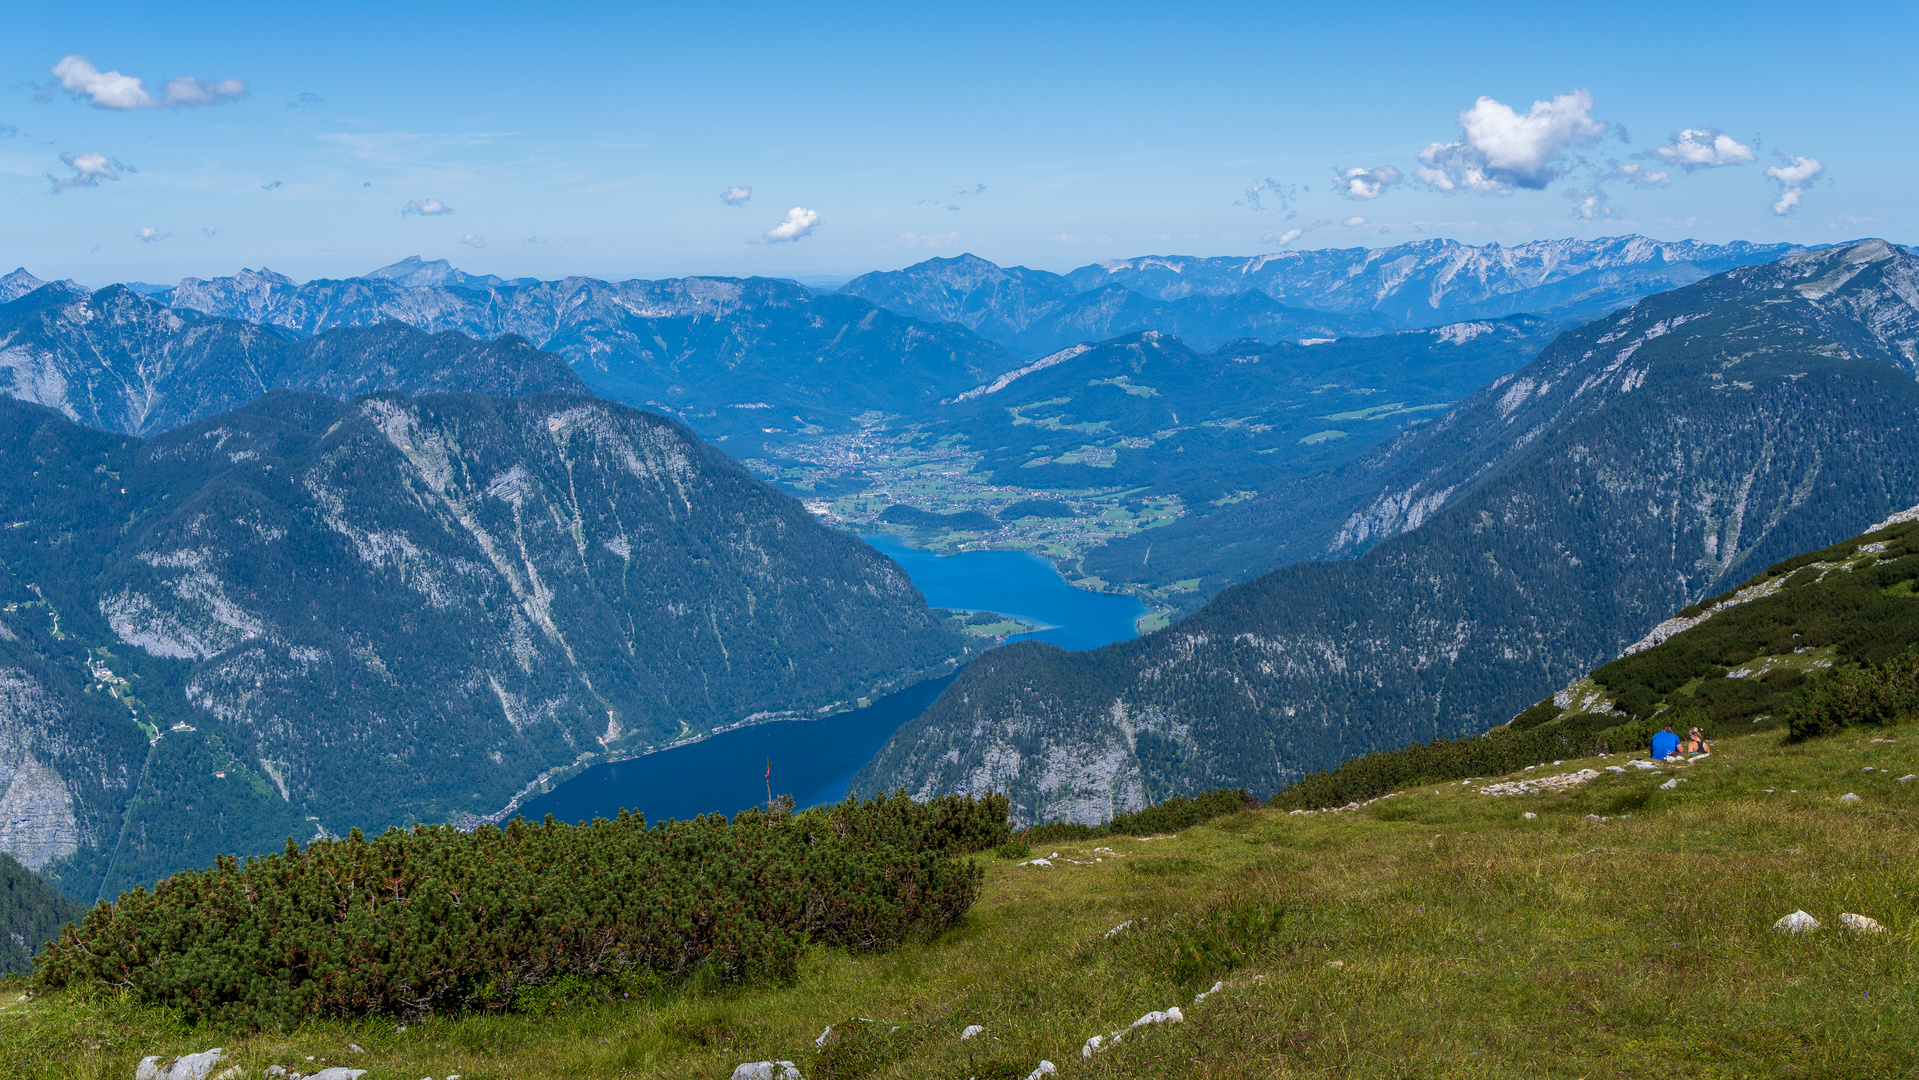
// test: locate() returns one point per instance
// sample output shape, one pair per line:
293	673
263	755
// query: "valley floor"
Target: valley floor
1437	932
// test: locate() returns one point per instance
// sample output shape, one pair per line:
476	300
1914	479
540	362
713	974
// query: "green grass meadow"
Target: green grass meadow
1435	933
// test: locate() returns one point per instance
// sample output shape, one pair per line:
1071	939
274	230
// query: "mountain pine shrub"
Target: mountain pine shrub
410	923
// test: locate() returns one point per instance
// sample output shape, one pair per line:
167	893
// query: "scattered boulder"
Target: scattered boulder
1204	994
1849	797
1642	763
186	1067
1670	784
1091	1047
1796	923
337	1072
356	1048
1909	778
1046	1068
1861	924
1595	818
972	1030
1529	816
824	1035
767	1070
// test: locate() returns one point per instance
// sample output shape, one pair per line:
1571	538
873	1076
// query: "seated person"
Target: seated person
1664	744
1695	743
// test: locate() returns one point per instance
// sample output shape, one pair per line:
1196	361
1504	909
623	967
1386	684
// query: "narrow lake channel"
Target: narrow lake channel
815	760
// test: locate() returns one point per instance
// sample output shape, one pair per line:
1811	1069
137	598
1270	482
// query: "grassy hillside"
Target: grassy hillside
1435	932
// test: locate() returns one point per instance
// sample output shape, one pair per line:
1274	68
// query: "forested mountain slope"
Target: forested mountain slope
1643	462
1432	282
31	914
731	356
118	360
309	615
1149	410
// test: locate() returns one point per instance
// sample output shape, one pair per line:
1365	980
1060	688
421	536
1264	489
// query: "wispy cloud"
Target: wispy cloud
1590	204
270	187
1639	176
1353	222
1282	196
209	232
736	196
88	170
425	208
306	100
1360	185
152	235
1501	149
799	222
1703	148
473	241
111	90
936	240
1794	174
8	131
1281	239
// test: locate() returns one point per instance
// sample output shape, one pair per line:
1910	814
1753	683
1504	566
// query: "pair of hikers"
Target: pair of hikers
1667	743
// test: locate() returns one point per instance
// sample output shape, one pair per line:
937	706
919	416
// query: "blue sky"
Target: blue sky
547	140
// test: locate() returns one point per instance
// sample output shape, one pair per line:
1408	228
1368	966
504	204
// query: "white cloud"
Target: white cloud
1075	238
1354	221
1360	185
1500	149
937	240
112	90
799	222
425	208
151	235
1703	148
1793	176
1280	239
1639	176
270	187
734	196
473	241
88	170
209	232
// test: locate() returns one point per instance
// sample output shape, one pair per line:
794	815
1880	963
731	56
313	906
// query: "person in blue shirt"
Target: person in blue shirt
1664	744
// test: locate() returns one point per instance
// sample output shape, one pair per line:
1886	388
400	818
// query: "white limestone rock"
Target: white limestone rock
1797	923
1861	924
971	1031
767	1070
185	1067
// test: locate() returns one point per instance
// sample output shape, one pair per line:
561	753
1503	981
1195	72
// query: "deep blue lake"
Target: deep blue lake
815	760
1017	583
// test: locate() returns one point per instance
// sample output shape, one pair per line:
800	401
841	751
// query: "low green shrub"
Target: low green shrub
1876	694
414	922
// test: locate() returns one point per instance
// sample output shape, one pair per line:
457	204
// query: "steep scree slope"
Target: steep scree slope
327	614
1643	462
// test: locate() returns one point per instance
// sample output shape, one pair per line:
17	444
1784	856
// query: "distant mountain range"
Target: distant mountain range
1034	313
1433	282
733	357
308	614
121	361
1642	462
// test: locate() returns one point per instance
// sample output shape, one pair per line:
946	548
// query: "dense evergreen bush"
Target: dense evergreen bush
413	922
1876	694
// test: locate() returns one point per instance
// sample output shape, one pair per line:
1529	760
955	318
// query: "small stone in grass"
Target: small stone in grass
1861	924
767	1070
1796	923
1849	797
1046	1068
972	1030
1204	994
1909	778
1529	815
1596	818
